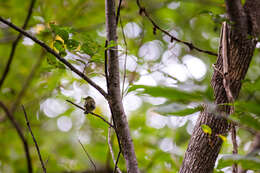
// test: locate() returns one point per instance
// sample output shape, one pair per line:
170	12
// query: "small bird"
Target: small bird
89	105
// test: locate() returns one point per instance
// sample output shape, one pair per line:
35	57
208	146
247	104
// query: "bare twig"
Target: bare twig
143	11
14	45
53	52
118	11
46	162
106	70
117	159
226	84
20	133
124	38
34	140
89	158
96	115
235	146
111	148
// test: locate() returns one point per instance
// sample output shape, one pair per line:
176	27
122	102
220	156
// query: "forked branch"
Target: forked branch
143	11
50	50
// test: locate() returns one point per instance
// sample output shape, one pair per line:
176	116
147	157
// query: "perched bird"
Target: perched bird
89	105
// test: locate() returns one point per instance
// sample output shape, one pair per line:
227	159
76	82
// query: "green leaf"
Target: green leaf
63	32
88	49
247	162
98	58
72	44
206	129
177	110
172	94
224	138
51	59
53	62
60	47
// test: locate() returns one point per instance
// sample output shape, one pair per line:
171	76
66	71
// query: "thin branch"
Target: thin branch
117	159
226	84
111	148
53	52
106	70
91	161
235	146
124	38
96	115
118	11
14	45
20	133
143	11
46	162
34	140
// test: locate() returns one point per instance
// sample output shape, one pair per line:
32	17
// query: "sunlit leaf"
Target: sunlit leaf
224	138
206	129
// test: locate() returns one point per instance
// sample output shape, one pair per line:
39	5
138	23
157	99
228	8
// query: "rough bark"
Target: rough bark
203	149
115	100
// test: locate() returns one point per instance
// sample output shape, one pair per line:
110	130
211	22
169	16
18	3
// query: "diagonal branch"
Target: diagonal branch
143	11
7	67
50	50
34	140
20	133
90	159
92	113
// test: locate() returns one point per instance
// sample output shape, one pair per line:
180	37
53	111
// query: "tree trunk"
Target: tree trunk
115	99
203	149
